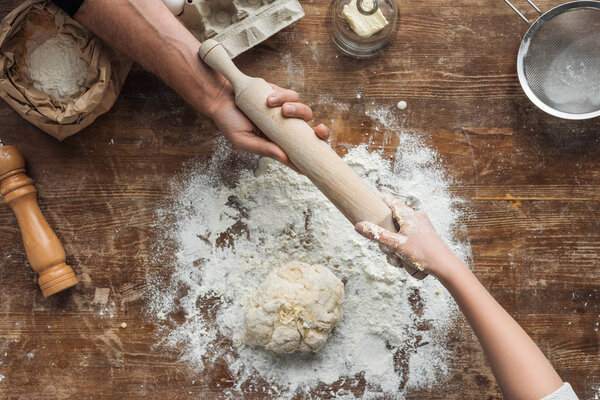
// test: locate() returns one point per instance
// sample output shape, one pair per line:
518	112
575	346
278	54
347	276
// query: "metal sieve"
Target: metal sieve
559	59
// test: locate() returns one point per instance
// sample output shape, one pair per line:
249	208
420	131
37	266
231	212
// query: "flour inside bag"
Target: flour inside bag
55	67
54	72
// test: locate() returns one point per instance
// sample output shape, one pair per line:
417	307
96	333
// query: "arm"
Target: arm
521	369
147	32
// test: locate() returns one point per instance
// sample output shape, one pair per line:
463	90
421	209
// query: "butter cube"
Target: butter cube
364	25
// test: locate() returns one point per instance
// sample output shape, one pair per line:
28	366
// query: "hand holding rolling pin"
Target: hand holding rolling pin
416	244
521	369
242	132
163	46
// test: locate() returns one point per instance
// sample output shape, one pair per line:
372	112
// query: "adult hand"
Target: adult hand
244	135
416	244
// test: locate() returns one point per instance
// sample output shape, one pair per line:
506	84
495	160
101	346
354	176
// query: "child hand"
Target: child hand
416	244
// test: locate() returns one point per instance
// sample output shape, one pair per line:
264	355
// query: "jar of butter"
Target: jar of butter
363	28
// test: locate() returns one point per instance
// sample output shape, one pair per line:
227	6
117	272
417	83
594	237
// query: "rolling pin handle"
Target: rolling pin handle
215	56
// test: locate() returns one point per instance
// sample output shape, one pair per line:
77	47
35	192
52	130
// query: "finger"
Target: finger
394	202
322	131
293	167
386	249
393	241
275	87
399	210
257	145
265	148
394	260
297	110
278	154
281	96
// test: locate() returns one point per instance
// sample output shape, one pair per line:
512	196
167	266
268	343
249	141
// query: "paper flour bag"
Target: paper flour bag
54	72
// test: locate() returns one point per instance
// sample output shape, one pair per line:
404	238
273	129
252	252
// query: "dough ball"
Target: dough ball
295	309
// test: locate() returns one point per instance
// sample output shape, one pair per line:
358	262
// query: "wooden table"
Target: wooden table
531	182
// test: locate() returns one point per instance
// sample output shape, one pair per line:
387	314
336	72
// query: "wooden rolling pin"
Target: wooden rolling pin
346	190
45	253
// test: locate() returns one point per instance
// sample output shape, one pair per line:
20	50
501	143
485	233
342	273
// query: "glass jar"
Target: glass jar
351	43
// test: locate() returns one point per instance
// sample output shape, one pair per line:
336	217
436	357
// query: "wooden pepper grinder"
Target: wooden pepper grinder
44	251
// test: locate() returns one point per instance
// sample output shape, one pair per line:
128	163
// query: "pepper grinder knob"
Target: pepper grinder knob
44	251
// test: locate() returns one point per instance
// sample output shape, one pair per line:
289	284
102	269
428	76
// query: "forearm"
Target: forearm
147	32
521	369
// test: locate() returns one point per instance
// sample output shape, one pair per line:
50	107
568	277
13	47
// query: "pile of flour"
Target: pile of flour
229	237
55	67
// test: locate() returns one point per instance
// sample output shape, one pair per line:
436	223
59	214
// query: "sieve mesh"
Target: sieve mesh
561	60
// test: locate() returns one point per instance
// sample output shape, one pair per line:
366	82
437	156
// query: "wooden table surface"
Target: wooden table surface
531	183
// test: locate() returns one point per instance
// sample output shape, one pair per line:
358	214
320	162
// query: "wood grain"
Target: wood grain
531	185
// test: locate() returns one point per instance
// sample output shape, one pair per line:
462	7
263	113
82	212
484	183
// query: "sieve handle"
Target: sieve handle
524	18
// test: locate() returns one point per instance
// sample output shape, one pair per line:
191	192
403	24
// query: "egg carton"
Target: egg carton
239	24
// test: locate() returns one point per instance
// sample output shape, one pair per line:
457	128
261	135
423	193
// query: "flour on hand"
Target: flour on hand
295	309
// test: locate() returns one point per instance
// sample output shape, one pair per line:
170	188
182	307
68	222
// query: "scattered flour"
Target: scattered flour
387	118
230	236
324	100
295	72
56	68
